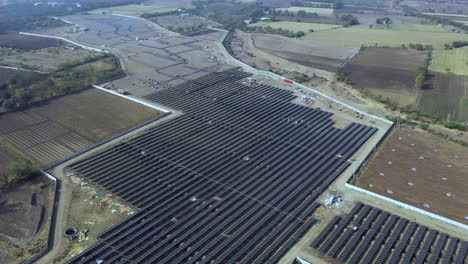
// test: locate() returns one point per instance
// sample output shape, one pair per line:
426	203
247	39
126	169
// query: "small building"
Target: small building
265	19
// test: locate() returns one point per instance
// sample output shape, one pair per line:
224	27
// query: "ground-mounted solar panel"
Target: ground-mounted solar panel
241	170
387	239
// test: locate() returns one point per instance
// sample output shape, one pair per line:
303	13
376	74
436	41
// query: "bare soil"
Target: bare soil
60	127
24	211
308	53
418	168
388	72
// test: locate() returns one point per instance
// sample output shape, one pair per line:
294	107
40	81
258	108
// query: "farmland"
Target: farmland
66	125
446	97
296	26
386	72
450	61
134	10
323	11
311	54
419	169
27	43
417	27
356	37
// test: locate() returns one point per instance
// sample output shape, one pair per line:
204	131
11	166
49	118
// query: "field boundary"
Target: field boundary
22	69
133	99
53	218
66	40
407	206
276	76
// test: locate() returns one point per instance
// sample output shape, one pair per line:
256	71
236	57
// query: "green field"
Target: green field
456	60
295	26
325	11
416	27
355	37
134	10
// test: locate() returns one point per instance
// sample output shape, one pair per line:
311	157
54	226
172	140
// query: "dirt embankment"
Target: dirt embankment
24	211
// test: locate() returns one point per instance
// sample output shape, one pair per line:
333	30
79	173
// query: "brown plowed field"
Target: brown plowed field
388	72
446	96
63	126
308	53
416	167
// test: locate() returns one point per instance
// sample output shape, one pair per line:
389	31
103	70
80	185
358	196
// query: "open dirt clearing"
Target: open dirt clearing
355	37
63	126
419	169
24	211
388	72
312	54
446	96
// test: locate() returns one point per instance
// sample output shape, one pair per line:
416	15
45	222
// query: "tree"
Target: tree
23	169
349	20
300	34
419	81
10	103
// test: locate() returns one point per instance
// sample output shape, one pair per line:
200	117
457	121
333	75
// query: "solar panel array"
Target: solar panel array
369	235
234	179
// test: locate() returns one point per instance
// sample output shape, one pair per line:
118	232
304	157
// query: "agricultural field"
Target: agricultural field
419	169
49	59
110	114
296	26
183	24
63	126
320	11
134	10
356	37
6	158
441	7
446	97
308	53
386	72
446	15
417	27
450	61
27	43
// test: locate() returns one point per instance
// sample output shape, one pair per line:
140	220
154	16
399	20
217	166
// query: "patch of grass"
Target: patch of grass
295	26
356	37
456	60
327	11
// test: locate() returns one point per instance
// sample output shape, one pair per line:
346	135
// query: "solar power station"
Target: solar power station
233	179
370	235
